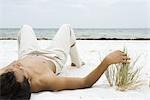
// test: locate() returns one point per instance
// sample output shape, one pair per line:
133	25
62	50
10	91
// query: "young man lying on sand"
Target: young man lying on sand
37	70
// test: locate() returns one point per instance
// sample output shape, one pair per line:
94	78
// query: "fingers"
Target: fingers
122	53
125	59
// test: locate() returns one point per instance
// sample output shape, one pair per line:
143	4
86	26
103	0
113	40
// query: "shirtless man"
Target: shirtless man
37	70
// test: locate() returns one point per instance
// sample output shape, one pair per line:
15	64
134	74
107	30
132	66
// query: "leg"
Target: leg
65	40
75	59
27	41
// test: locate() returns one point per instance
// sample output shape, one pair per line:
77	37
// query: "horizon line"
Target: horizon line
72	27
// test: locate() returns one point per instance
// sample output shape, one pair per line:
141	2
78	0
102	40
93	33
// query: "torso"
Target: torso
36	67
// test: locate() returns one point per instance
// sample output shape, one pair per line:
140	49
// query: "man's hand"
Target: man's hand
117	57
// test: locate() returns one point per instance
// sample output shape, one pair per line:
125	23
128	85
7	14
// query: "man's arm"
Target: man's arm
61	83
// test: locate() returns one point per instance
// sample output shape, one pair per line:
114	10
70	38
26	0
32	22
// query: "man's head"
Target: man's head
14	85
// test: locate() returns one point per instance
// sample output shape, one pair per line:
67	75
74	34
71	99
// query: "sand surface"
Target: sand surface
92	52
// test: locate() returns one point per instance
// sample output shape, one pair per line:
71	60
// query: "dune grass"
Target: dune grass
148	80
124	76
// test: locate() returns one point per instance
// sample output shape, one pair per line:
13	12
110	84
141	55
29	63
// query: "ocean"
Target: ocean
82	33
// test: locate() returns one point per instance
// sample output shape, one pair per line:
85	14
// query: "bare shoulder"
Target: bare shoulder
43	82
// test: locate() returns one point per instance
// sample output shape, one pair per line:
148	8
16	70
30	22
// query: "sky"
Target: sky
77	13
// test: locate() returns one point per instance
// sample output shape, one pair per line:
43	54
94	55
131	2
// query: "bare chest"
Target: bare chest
38	65
37	68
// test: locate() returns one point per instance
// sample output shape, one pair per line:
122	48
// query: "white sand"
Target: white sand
91	52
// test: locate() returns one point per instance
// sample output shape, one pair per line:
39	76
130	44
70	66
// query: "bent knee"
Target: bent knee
26	27
65	26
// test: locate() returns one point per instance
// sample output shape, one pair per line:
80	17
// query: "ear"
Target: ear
26	74
1	71
29	80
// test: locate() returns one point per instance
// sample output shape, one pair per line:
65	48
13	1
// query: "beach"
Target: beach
92	52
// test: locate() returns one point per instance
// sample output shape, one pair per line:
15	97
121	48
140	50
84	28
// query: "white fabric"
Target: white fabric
57	51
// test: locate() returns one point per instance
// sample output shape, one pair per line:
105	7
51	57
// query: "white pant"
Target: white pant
61	46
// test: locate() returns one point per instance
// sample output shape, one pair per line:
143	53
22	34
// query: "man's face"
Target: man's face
18	71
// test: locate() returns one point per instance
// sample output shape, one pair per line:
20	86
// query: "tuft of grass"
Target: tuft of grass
124	76
149	80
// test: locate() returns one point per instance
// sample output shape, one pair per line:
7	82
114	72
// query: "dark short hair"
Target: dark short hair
10	89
